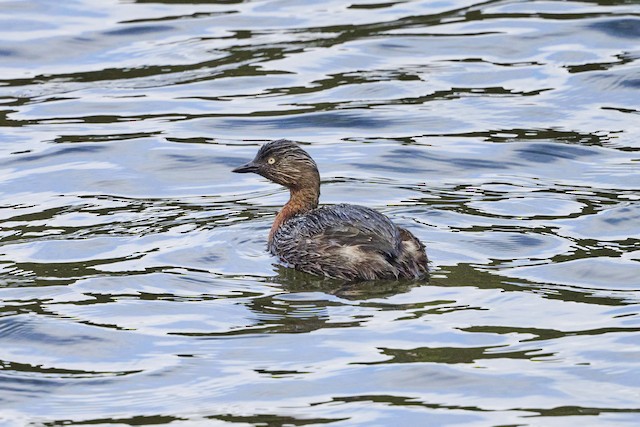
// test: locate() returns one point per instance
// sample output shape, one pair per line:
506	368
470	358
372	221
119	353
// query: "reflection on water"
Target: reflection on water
134	280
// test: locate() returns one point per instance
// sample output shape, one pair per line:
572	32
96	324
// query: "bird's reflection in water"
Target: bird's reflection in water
295	281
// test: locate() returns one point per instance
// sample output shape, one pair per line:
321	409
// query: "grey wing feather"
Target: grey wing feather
343	241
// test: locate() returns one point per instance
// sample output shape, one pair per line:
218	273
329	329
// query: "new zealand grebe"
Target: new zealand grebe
343	241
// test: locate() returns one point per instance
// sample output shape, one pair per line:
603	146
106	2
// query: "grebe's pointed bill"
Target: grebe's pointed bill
246	168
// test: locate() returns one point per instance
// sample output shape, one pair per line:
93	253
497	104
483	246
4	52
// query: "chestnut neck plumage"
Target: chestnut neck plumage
303	198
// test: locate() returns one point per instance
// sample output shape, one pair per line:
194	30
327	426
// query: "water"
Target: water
136	289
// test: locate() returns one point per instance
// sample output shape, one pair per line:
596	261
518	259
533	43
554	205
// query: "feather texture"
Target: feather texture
349	242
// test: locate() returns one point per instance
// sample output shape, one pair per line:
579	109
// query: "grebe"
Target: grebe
343	241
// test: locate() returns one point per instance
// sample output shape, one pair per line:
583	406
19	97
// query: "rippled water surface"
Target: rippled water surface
135	285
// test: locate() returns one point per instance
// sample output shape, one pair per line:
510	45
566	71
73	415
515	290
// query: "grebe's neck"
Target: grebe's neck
301	200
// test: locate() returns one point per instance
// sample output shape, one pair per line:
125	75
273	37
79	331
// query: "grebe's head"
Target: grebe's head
284	163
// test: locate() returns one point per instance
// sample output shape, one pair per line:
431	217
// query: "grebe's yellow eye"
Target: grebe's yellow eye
271	160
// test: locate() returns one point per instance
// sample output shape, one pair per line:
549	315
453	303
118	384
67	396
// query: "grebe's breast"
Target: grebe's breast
349	242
